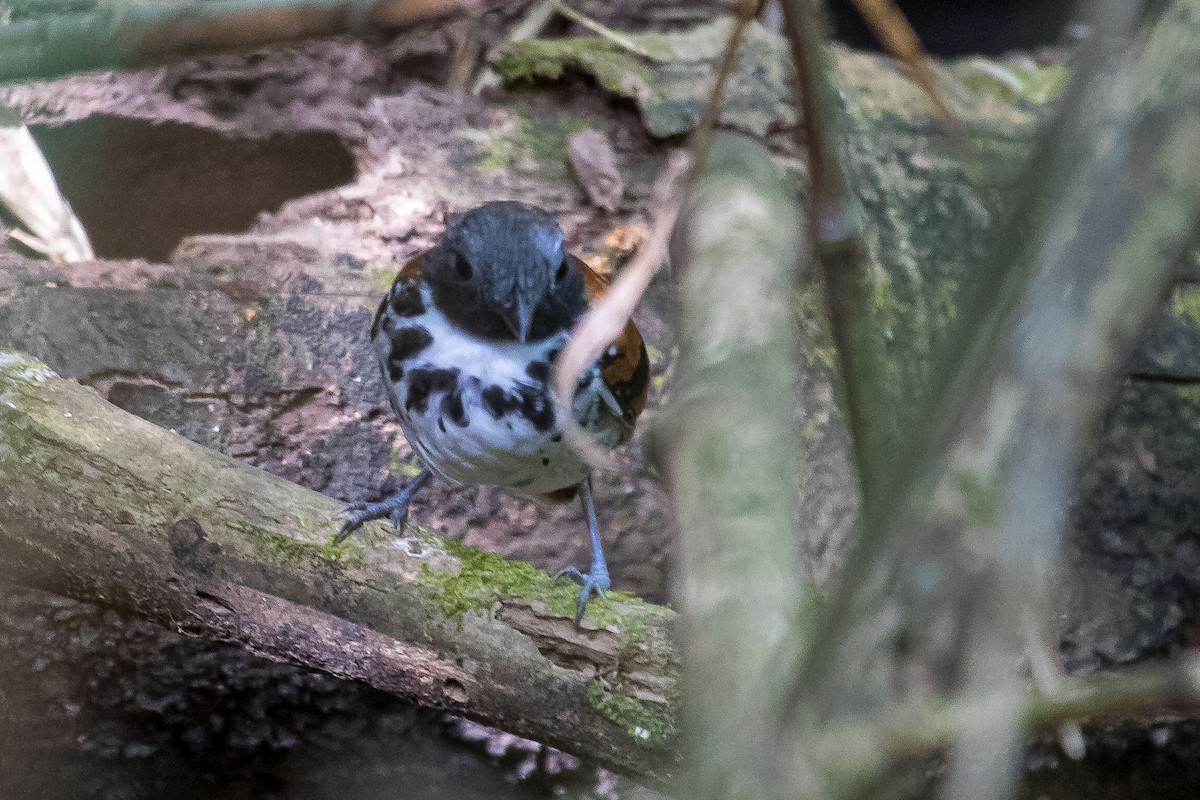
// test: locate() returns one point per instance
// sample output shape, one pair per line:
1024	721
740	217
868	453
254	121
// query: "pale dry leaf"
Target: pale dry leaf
29	191
595	165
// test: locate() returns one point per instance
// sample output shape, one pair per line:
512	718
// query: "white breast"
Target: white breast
477	413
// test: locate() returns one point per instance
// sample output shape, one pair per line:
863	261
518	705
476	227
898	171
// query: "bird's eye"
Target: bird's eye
462	267
561	274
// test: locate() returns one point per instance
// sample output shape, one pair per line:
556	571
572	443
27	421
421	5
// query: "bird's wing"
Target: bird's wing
405	290
625	368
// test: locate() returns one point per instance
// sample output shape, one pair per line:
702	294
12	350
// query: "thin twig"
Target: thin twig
1136	693
890	26
872	562
862	354
605	320
616	37
29	191
702	138
531	25
1045	666
467	55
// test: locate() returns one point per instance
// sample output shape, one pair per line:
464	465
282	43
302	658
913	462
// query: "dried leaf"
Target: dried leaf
595	165
29	191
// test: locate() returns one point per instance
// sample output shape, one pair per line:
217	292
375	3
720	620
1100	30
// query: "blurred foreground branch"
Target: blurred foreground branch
104	507
1144	694
731	455
1102	262
123	35
975	501
841	253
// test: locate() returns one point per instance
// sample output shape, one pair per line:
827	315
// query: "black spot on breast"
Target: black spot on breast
552	355
535	407
498	401
545	462
538	370
452	409
407	342
406	299
556	437
424	382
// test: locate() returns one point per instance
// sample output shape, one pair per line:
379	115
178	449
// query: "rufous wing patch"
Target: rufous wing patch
407	277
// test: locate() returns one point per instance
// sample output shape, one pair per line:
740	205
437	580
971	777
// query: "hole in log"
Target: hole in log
140	187
455	690
963	27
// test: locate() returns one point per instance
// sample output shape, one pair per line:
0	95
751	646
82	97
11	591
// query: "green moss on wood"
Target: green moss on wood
540	140
1185	304
650	724
19	368
484	579
1012	83
19	377
403	467
616	69
283	548
981	503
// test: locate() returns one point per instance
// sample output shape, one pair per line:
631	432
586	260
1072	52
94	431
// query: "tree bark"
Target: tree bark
105	507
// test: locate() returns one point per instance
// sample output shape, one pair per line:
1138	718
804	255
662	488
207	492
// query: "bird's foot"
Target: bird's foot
394	508
595	582
356	515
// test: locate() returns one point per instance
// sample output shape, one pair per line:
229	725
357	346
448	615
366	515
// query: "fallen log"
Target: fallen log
107	508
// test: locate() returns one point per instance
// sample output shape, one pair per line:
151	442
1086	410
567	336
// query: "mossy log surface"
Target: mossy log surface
105	507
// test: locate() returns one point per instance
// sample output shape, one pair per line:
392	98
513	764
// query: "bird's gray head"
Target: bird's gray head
500	272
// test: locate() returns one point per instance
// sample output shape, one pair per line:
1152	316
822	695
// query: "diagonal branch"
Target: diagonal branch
107	508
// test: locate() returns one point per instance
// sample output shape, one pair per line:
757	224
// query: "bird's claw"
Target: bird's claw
595	582
358	514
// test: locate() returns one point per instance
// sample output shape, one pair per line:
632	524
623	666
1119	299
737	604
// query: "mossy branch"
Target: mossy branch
126	35
732	457
105	507
1143	693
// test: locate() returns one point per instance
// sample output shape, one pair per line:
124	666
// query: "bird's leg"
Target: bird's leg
595	580
394	508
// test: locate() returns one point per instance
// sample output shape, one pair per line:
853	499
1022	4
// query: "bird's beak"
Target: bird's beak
519	319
